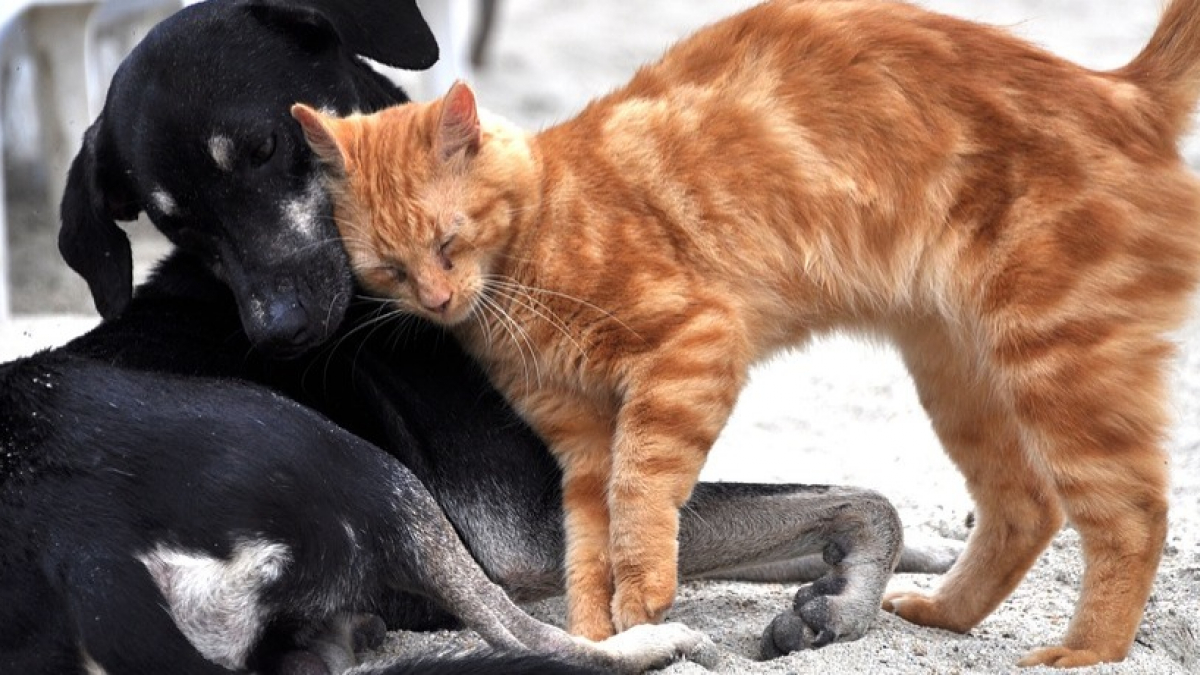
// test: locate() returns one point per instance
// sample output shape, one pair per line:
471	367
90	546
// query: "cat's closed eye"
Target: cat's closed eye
444	252
394	271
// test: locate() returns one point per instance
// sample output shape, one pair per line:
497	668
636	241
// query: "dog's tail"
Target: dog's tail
1169	66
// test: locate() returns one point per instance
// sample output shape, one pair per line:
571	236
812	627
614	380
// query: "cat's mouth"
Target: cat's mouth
456	310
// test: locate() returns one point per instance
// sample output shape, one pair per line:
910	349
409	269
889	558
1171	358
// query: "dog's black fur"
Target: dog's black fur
233	409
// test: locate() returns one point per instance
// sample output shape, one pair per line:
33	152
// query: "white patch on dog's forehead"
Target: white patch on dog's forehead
164	201
301	214
215	602
221	149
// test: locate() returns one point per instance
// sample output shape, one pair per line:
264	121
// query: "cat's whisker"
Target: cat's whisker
518	331
513	283
384	313
380	313
527	301
515	331
401	328
511	321
477	313
329	313
353	244
376	299
319	243
326	349
481	324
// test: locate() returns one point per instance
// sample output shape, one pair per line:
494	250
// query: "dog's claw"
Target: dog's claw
823	638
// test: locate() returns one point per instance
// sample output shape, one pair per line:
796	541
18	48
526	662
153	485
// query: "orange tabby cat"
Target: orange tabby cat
1023	229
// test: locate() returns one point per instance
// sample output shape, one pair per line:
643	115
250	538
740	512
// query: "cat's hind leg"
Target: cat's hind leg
1017	513
1093	410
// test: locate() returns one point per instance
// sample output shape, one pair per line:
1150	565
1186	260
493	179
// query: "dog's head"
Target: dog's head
196	133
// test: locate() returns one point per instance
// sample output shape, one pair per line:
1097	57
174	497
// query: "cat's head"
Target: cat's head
423	198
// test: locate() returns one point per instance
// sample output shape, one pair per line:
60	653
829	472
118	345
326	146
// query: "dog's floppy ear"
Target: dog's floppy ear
89	239
392	32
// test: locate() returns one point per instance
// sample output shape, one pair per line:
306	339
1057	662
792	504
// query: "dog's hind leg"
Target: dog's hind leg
931	555
423	554
772	532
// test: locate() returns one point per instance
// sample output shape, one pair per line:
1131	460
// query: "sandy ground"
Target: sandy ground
840	412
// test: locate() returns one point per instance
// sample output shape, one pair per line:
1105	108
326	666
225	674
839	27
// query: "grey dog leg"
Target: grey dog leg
757	532
430	559
752	531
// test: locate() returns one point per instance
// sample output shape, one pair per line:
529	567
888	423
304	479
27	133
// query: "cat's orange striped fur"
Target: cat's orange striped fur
1023	229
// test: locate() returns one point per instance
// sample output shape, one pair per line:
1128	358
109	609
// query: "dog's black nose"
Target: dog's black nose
287	324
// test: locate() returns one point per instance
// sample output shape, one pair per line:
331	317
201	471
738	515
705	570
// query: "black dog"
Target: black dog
149	465
157	523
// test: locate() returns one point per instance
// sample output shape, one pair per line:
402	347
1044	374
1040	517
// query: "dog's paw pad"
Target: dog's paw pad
810	624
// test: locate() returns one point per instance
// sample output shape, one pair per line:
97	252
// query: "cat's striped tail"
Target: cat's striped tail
1169	66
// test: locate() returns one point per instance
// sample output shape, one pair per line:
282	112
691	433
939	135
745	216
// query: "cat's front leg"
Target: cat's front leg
588	566
580	437
673	412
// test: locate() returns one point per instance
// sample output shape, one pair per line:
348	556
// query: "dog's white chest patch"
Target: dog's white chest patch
221	149
215	602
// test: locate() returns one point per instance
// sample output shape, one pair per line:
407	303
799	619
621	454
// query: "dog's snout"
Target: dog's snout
286	323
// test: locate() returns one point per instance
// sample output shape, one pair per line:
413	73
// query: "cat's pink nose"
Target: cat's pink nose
438	301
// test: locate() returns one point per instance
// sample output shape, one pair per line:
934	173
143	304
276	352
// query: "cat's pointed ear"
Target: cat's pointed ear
328	137
458	125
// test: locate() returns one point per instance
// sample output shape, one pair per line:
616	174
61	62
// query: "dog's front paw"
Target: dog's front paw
819	616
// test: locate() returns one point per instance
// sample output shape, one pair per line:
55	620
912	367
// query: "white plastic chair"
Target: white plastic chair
59	36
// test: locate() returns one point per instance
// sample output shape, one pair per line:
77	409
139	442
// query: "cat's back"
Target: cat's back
798	48
875	73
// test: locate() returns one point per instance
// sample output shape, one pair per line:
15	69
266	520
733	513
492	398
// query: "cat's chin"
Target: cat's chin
452	316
